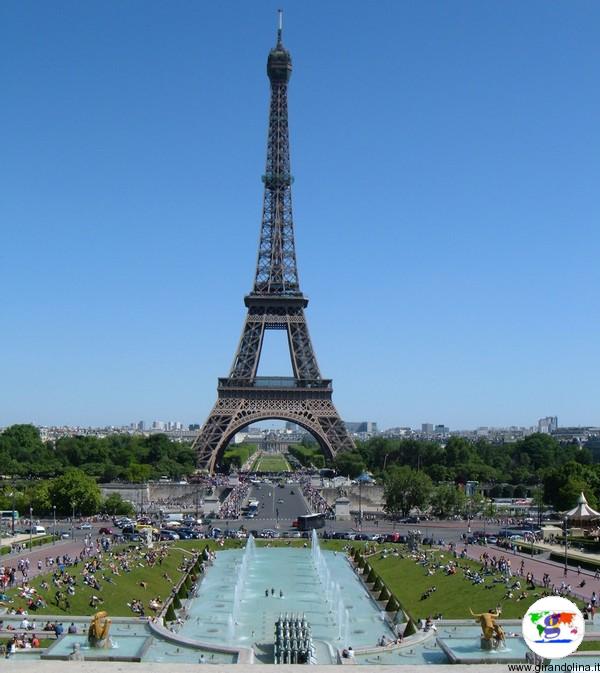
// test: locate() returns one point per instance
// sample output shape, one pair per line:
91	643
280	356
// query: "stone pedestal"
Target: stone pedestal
342	509
211	504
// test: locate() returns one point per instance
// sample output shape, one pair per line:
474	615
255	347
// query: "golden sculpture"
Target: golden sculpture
491	631
99	630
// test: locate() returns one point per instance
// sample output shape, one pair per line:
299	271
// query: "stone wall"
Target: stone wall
143	495
372	497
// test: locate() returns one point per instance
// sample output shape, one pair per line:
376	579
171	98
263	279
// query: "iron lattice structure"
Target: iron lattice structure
275	302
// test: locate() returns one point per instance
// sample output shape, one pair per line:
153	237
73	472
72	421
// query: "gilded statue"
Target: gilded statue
99	630
490	629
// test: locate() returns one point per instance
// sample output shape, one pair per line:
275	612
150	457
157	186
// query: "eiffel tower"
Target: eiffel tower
275	303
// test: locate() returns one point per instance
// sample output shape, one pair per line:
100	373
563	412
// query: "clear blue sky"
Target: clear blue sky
447	168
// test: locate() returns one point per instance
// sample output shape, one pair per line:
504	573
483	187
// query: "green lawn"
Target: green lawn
403	577
115	594
272	463
589	646
454	594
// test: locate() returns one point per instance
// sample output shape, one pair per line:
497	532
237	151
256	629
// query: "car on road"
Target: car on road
85	526
280	501
269	533
105	531
492	539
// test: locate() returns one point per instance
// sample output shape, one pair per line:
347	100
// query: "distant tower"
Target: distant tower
275	302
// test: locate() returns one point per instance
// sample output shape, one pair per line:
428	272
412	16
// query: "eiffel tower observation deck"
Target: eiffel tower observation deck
275	303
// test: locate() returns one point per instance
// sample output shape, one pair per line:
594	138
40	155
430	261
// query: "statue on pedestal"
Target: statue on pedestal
492	634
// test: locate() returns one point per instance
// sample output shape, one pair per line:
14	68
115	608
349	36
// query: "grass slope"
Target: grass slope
117	594
454	594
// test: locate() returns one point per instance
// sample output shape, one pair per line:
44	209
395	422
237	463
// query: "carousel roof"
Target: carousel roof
582	510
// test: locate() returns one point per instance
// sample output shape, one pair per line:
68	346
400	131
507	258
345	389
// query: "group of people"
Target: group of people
313	495
231	507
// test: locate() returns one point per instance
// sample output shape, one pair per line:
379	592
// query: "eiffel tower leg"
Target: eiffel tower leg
230	415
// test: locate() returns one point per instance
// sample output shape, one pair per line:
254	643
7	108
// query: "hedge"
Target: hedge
410	629
384	595
170	615
574	561
392	605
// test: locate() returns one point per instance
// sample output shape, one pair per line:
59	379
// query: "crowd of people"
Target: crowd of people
313	496
231	507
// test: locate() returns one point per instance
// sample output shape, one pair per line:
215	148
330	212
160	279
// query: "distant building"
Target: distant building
193	426
141	426
361	426
427	428
441	430
548	425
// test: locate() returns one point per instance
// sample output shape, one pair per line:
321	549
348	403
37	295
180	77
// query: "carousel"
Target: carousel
585	517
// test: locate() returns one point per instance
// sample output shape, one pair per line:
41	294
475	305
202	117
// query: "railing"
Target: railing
275	382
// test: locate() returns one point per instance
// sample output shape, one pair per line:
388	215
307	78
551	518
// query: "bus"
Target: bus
9	514
309	521
250	510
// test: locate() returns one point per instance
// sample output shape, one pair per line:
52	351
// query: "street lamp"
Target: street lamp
566	570
73	520
54	518
30	527
360	503
14	487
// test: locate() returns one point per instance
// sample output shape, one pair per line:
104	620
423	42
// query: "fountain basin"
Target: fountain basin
468	651
126	648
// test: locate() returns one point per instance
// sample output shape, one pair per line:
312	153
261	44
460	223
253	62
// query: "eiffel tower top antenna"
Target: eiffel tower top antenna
280	28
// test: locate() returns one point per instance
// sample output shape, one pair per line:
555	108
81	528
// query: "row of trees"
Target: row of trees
74	492
517	469
116	457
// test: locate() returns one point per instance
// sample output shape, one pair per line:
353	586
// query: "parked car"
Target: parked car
105	531
169	535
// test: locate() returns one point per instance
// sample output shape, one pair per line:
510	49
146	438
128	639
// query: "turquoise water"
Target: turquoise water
123	646
243	615
164	652
469	648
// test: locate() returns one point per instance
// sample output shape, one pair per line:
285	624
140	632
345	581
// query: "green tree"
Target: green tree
445	500
350	464
75	488
405	488
114	504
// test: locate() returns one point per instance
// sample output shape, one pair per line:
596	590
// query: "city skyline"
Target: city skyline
445	201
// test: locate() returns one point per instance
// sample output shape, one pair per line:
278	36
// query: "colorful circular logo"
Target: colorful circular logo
553	627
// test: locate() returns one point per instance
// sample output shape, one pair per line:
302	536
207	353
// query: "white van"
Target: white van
38	530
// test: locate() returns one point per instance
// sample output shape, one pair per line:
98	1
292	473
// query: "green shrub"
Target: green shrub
371	577
392	605
170	616
176	603
385	594
410	629
378	584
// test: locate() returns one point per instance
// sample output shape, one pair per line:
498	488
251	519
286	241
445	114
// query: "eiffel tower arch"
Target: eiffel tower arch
275	303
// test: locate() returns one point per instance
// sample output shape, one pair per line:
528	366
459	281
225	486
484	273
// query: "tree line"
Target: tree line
535	466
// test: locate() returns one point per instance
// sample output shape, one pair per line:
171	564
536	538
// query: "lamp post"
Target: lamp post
73	520
30	527
54	520
360	503
566	570
13	507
